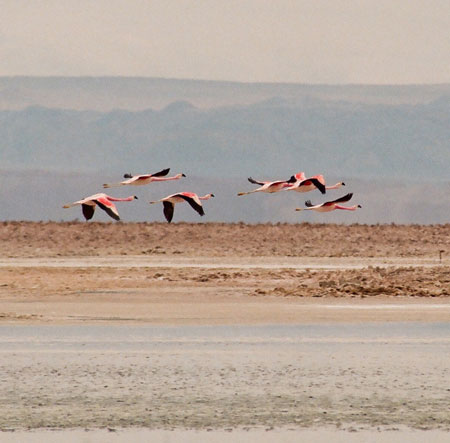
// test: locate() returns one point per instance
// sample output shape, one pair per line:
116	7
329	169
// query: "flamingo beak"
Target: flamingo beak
212	195
359	206
183	175
135	197
343	184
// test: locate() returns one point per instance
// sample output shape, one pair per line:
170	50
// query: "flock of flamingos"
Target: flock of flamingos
298	182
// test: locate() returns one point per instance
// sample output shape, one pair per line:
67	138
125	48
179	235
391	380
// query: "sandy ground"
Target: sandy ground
92	292
28	239
221	273
141	275
398	434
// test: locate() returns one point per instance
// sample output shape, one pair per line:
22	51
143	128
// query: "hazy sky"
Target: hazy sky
307	41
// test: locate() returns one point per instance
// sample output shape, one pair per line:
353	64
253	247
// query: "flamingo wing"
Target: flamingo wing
108	207
168	210
345	198
131	179
88	211
278	182
142	177
194	202
251	180
318	184
161	173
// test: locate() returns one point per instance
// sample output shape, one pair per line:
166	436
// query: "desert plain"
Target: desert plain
224	326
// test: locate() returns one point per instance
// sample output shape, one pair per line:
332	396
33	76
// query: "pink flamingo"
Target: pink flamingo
331	205
139	180
193	199
104	201
304	184
270	187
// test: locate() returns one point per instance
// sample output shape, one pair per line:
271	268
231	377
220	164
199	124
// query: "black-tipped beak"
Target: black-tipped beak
359	206
212	195
343	184
135	198
183	175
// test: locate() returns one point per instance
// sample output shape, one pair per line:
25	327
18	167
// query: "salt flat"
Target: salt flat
219	377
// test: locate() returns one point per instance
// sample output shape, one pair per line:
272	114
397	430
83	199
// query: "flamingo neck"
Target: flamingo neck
346	208
336	186
163	179
116	199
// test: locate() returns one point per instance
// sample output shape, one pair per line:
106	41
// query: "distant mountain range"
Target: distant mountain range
136	94
393	141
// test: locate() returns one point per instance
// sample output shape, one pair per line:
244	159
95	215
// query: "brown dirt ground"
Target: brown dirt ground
216	294
29	239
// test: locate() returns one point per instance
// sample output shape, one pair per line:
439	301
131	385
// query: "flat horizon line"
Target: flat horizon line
239	82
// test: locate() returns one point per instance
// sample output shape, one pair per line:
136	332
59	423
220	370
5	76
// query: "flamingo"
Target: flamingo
331	205
193	199
270	187
139	180
304	184
104	201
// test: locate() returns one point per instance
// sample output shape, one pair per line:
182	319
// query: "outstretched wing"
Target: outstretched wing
320	186
194	204
251	180
343	199
108	207
88	211
168	210
161	173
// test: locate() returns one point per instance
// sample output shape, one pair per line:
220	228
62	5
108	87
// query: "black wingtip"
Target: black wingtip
162	173
319	185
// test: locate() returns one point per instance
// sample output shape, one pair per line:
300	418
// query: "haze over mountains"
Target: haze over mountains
61	138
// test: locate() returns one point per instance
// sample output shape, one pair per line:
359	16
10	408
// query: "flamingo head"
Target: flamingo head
128	175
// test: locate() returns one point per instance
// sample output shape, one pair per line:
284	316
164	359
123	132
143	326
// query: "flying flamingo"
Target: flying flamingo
139	180
331	205
304	184
270	187
104	201
193	199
